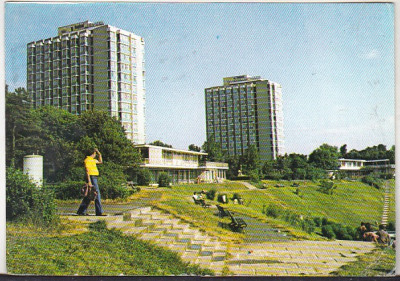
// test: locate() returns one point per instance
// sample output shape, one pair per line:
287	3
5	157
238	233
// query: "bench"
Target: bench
236	224
222	212
201	202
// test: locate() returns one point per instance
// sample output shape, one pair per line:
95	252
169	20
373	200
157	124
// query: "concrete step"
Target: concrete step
149	235
141	210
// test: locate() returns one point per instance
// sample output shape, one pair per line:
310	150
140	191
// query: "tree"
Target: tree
160	143
390	154
144	177
163	179
250	159
298	165
325	157
213	150
234	166
194	147
372	153
56	141
19	124
343	150
109	136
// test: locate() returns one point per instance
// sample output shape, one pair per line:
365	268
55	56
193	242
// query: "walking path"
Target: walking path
268	258
248	185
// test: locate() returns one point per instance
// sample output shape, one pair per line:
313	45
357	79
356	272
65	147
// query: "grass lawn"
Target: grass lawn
377	263
97	252
351	203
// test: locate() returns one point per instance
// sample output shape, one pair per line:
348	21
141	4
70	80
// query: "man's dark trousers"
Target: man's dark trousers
86	201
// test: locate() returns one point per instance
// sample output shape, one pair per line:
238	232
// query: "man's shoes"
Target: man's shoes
82	214
102	215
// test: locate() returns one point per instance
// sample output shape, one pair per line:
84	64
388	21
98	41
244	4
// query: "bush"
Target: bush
211	194
163	180
324	221
273	175
327	187
144	177
236	196
327	231
253	176
26	201
372	181
272	211
318	221
99	226
308	225
68	190
112	181
391	226
386	176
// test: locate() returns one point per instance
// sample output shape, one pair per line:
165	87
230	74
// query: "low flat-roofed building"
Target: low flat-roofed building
357	166
183	166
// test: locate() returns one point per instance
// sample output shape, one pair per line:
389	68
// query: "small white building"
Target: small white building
183	166
356	166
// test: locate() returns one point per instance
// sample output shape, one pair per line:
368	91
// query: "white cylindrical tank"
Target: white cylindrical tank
33	167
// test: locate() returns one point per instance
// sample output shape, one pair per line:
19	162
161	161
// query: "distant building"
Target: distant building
182	166
358	167
246	111
91	66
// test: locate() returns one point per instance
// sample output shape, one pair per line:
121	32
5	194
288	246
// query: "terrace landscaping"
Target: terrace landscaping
199	236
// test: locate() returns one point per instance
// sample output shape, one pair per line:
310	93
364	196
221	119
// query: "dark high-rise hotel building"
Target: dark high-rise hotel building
244	111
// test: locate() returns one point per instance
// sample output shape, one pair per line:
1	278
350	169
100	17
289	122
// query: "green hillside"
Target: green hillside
351	203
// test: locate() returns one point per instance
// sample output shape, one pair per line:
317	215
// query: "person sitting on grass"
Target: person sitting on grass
198	198
384	237
370	236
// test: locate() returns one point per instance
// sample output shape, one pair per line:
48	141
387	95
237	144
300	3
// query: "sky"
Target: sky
335	62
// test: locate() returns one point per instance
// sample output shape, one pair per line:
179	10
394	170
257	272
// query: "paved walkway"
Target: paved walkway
248	185
268	258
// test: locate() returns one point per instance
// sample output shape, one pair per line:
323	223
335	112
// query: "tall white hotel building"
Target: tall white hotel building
91	66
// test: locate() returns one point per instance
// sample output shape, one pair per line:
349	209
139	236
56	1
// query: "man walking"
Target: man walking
92	173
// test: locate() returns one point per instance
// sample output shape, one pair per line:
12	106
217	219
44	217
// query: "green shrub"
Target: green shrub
308	225
112	181
273	175
318	221
391	226
211	194
372	181
324	221
327	187
144	177
253	176
99	226
272	211
163	180
26	201
327	231
68	190
386	176
236	196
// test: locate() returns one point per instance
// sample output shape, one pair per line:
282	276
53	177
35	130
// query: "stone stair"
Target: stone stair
268	258
385	212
